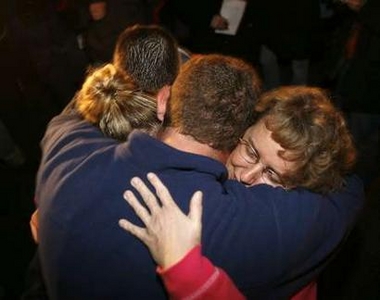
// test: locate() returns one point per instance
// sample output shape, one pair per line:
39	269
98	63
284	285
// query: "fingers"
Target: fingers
137	231
34	218
140	210
223	23
196	207
219	22
148	197
161	190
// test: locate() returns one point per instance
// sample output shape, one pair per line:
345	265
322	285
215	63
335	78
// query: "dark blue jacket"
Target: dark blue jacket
271	241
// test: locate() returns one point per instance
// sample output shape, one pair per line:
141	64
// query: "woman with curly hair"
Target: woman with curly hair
300	140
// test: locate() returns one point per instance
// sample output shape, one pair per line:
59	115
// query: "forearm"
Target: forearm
196	277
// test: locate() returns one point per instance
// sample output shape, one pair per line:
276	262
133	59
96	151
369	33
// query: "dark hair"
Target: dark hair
213	100
149	55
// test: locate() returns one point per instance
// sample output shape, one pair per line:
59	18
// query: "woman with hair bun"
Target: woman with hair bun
111	100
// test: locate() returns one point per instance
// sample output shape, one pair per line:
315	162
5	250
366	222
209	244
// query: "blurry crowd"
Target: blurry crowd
47	46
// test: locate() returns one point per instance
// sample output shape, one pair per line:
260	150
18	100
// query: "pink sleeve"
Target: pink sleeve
195	278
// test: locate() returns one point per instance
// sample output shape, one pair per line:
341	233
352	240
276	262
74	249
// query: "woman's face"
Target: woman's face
255	160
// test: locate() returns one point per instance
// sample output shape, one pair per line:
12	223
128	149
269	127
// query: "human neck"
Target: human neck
186	143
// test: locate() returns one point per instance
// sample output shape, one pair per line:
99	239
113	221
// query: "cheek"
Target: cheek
229	166
235	159
237	166
258	180
232	164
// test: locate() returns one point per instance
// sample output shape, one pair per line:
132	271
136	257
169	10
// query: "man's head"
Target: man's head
300	139
149	55
213	100
97	9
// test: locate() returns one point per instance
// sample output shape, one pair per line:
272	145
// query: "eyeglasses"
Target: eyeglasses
249	153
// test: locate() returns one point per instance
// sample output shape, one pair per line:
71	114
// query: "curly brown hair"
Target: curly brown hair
110	100
213	100
313	133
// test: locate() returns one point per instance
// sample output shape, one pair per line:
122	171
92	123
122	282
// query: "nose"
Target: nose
252	175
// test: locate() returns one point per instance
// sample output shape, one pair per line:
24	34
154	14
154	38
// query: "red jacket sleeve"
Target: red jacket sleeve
194	277
309	292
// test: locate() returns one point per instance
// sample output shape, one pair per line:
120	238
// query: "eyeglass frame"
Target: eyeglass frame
254	155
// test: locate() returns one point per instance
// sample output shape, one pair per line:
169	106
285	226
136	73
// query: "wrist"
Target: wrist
170	264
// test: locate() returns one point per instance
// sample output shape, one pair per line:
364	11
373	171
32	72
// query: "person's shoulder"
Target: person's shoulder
70	125
69	134
342	205
139	142
264	192
353	185
66	120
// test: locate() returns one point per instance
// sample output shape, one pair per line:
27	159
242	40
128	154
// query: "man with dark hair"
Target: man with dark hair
149	55
272	242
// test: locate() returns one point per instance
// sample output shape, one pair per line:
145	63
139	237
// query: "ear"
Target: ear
162	101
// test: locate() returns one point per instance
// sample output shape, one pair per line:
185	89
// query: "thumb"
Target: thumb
196	207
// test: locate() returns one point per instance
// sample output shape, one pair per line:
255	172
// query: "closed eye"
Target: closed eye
252	152
272	175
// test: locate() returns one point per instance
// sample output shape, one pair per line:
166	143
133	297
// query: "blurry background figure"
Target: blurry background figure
359	84
50	45
194	21
40	71
108	18
355	272
288	35
10	153
276	36
278	72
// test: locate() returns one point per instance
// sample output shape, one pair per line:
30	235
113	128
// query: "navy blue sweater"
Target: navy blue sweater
270	241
